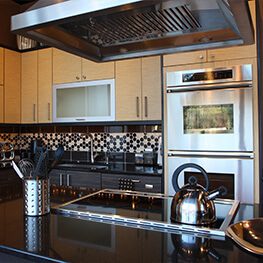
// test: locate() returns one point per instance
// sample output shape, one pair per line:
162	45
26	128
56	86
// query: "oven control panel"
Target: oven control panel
209	75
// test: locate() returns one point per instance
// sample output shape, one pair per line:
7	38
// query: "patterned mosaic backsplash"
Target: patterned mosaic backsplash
103	142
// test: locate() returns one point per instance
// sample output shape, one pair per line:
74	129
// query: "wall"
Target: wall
9	8
123	139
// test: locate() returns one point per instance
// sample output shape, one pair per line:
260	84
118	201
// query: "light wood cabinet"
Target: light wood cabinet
128	89
29	84
138	89
36	86
71	68
66	67
185	58
44	91
95	71
151	88
1	66
12	94
1	103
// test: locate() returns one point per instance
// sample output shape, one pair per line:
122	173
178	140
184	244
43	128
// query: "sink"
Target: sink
84	166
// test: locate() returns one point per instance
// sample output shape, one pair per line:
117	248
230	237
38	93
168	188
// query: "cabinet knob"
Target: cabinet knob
84	77
212	56
201	56
77	77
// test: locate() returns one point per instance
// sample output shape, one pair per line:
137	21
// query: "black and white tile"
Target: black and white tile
103	142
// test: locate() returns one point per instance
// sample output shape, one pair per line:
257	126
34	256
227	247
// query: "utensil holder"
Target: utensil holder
36	234
36	197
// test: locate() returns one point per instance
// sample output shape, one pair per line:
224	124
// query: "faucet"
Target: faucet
91	147
160	152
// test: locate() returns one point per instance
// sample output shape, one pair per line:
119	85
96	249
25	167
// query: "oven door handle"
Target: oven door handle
225	85
239	155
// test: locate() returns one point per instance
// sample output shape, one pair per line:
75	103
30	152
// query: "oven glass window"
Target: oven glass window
203	119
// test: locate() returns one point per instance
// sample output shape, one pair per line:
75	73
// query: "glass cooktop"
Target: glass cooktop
144	210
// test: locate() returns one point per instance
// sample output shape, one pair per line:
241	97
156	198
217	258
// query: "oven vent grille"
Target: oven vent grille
125	28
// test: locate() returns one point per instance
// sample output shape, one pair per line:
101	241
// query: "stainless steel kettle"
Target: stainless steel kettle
193	204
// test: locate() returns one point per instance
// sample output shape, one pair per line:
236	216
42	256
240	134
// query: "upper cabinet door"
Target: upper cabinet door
185	58
128	90
29	87
66	67
12	86
151	88
1	66
95	71
45	85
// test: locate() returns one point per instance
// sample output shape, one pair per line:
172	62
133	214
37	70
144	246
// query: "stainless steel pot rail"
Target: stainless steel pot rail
217	233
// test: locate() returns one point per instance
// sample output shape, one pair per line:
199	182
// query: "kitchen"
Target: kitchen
133	136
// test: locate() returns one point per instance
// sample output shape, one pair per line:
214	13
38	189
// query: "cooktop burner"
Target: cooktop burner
143	210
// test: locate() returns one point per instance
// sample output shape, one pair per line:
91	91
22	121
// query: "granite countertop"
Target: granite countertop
66	239
116	167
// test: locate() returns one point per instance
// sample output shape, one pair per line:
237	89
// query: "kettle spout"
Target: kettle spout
220	191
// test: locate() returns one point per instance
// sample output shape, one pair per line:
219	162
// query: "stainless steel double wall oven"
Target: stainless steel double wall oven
210	123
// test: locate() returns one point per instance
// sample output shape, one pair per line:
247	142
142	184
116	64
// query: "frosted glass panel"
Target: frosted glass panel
98	100
71	102
90	101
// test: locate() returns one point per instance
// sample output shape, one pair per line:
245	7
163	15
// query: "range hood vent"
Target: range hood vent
110	30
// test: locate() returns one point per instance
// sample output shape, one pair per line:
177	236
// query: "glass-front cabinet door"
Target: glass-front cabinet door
84	101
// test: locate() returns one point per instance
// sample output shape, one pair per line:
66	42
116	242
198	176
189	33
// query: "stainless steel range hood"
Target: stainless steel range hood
110	30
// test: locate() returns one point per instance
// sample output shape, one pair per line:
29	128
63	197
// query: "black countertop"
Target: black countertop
114	168
60	238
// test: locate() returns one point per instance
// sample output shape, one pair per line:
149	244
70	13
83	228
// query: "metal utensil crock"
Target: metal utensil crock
36	196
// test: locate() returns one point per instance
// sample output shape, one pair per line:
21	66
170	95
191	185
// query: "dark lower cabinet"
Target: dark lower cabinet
141	183
75	179
57	176
84	179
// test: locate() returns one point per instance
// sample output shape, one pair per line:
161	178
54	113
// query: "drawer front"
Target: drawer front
141	183
84	179
149	184
56	177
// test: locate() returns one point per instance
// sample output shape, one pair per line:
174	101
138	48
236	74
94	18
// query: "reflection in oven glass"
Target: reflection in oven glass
202	119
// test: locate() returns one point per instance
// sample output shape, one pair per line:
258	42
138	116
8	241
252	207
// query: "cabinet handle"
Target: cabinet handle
68	180
34	112
60	180
79	119
49	111
148	186
146	106
137	107
136	181
84	77
77	77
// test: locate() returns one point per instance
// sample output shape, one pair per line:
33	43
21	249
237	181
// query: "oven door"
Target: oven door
210	120
235	173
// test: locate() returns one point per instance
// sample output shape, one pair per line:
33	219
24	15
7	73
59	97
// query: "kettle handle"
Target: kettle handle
184	166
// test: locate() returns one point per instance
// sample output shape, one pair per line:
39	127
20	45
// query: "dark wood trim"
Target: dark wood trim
24	50
112	123
108	127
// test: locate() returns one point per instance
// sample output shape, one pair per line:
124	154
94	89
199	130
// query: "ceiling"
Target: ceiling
23	1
